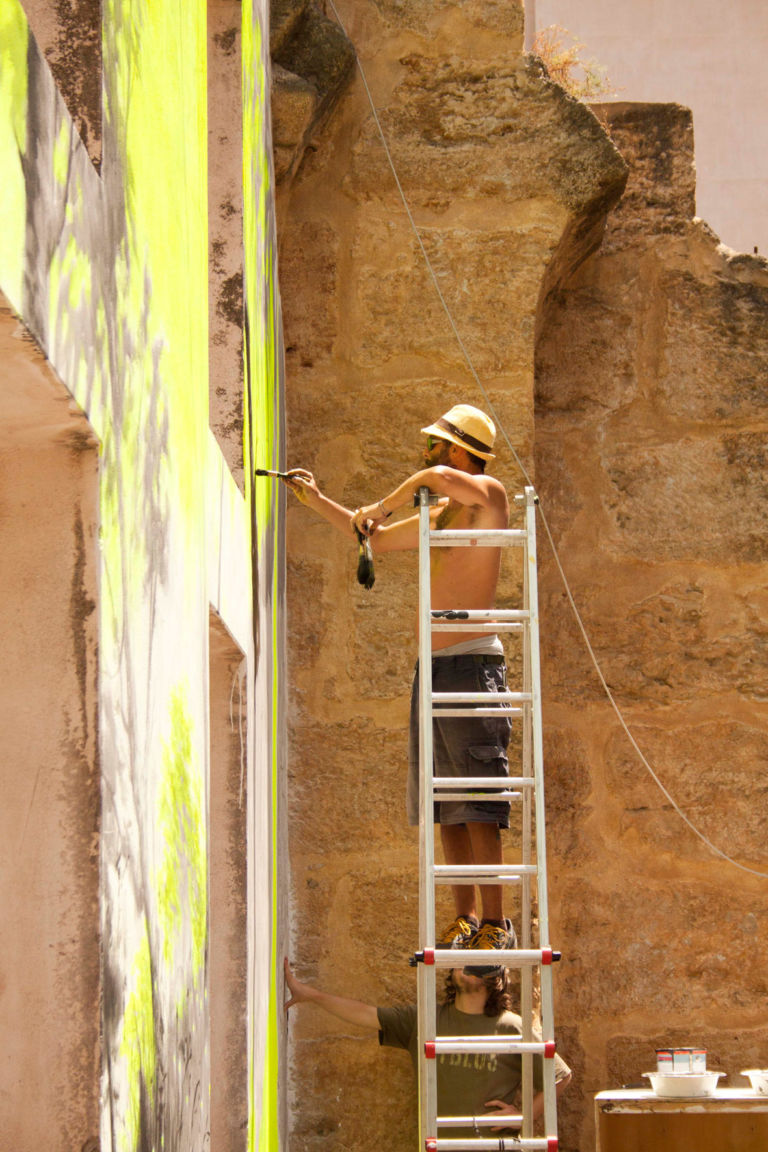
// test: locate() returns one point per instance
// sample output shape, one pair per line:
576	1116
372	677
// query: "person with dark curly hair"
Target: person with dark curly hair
474	1084
500	996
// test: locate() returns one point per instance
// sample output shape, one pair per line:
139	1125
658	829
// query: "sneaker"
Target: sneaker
491	936
487	938
459	934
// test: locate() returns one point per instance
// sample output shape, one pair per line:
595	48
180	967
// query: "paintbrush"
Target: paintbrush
365	572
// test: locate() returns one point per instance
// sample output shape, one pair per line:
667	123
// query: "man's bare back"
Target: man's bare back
465	577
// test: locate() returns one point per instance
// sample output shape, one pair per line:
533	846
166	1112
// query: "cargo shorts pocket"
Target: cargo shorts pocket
487	760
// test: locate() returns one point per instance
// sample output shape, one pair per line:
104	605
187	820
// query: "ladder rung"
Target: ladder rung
489	879
456	797
483	537
498	1044
482	782
492	614
509	1121
512	626
481	697
473	873
479	957
483	1144
477	712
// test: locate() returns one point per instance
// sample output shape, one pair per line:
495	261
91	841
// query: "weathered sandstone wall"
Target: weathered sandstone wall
650	461
510	181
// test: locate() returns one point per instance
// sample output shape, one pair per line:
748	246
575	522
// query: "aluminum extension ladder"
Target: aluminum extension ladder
527	789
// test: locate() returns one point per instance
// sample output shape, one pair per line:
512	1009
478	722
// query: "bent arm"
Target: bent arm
352	1011
538	1100
474	490
501	1108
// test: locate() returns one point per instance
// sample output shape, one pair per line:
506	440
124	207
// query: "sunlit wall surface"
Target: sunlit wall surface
109	273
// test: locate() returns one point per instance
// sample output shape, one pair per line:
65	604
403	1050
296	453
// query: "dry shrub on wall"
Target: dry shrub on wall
562	57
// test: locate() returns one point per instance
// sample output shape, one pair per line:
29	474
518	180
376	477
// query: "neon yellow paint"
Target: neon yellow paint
260	260
137	1046
262	433
170	234
269	1133
13	144
182	880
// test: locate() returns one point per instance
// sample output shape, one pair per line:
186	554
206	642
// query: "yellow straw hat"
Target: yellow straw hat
467	427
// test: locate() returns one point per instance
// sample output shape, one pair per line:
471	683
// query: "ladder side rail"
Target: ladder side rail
426	998
526	903
547	1007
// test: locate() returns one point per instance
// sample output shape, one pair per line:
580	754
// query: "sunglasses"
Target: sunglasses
433	440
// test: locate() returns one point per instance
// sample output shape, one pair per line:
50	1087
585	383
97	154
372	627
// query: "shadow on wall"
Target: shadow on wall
50	814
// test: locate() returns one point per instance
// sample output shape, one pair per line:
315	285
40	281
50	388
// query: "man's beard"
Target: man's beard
436	456
466	983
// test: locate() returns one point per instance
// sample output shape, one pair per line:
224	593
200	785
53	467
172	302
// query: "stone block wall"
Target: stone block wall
509	181
630	382
650	462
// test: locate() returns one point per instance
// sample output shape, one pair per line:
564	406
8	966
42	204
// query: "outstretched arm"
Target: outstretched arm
304	487
353	1011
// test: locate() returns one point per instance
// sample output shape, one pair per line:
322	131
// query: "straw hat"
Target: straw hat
467	427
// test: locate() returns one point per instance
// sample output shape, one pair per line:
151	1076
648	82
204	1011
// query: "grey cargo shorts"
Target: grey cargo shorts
476	746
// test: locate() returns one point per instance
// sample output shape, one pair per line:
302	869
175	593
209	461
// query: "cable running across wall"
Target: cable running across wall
468	359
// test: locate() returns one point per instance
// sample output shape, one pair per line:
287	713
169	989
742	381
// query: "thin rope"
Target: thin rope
622	721
468	359
427	260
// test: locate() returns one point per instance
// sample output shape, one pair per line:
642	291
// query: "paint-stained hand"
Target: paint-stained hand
301	483
367	520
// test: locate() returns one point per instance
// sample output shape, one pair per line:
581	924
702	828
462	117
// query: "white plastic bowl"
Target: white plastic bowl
758	1078
684	1083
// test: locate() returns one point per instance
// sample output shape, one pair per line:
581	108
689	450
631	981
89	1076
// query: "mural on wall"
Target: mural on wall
264	448
110	274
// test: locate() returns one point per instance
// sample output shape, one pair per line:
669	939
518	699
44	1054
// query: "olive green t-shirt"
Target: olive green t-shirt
466	1081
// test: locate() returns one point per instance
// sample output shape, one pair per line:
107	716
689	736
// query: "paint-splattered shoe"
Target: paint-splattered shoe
459	934
488	938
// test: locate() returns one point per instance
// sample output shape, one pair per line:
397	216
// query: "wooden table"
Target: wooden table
637	1120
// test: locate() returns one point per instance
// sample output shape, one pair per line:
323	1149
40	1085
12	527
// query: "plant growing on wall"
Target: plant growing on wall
562	55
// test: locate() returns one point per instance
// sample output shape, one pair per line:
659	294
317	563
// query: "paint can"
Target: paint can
681	1060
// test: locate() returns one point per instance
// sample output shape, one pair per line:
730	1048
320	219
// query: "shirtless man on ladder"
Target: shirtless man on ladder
458	446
